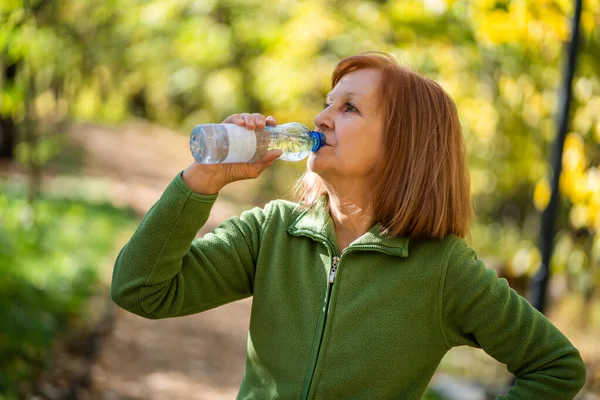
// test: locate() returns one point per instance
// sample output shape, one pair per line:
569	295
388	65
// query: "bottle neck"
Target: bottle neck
318	140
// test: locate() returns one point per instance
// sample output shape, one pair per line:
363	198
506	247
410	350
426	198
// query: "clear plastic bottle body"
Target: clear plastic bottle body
225	143
209	143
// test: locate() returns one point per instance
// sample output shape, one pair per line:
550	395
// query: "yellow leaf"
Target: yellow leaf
579	216
574	185
541	194
562	250
526	261
574	155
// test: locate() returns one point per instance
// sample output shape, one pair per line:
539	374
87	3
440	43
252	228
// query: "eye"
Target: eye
325	105
349	107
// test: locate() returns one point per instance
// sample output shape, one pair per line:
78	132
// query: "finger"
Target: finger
233	119
238	120
249	121
259	120
270	156
271	121
259	167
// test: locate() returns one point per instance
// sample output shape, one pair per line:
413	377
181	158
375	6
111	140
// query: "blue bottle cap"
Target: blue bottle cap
318	140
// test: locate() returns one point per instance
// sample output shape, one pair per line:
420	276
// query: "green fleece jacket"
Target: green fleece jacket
370	323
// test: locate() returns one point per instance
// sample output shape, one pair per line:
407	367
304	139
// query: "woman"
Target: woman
361	287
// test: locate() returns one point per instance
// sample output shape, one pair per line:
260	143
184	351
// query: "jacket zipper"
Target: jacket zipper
315	358
336	261
332	274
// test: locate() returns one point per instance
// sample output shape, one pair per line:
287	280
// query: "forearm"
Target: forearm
153	257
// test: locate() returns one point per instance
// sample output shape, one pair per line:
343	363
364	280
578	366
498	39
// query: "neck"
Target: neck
351	209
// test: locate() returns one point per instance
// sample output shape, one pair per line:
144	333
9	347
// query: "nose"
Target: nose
323	120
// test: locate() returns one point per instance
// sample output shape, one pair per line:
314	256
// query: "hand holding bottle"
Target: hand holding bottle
211	178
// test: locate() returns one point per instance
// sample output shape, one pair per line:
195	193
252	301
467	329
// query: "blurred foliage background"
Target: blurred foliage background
179	63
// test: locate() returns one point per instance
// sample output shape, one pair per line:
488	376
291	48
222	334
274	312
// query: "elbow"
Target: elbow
147	301
118	296
125	297
562	378
128	299
131	290
126	287
573	375
579	371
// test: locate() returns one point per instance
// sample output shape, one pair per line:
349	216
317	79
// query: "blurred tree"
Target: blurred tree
8	129
184	62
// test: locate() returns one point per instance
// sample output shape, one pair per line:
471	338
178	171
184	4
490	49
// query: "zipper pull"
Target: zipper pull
334	267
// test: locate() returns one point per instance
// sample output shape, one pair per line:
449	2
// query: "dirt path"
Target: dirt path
195	357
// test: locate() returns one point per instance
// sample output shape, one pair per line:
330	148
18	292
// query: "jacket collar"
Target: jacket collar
318	225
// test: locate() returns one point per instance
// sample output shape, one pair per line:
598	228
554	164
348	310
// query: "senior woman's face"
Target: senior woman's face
353	126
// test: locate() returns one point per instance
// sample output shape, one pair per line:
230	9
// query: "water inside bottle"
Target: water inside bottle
294	156
294	145
209	144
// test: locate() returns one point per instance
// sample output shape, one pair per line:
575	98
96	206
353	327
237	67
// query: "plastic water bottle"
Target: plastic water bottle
230	143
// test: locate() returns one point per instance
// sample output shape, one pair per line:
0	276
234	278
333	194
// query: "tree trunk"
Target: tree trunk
8	129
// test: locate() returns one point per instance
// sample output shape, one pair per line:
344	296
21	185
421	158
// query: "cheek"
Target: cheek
361	156
357	156
358	150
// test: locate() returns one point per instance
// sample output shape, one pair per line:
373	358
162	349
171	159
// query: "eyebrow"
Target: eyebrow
347	94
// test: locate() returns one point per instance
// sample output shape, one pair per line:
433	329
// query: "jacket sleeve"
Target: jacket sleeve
163	271
481	310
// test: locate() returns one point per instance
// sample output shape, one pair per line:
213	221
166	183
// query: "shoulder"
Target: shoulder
281	211
444	249
283	208
452	257
463	266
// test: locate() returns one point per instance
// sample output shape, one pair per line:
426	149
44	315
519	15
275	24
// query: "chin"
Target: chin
315	163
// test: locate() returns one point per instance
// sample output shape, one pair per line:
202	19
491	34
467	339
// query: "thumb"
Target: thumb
265	162
271	155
